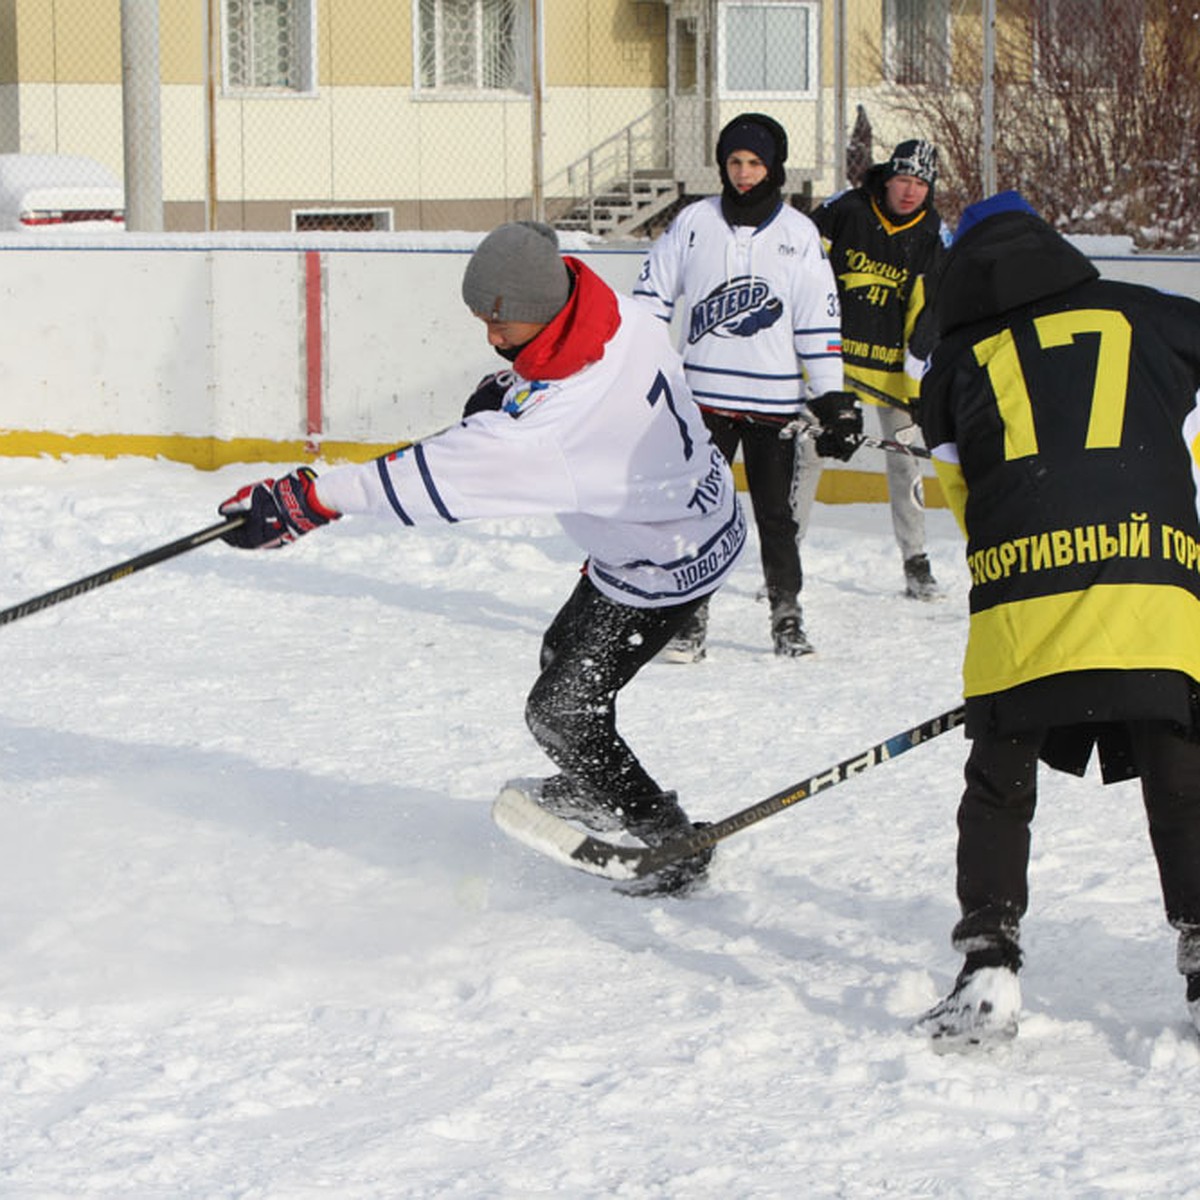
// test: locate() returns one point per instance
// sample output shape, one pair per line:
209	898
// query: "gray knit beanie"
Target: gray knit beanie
517	274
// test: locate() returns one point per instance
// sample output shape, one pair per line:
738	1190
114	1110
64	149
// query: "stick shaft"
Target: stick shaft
881	752
111	574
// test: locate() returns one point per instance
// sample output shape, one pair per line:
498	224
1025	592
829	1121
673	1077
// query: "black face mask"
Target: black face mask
752	207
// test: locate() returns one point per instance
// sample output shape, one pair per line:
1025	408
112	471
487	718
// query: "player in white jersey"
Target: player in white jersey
760	334
596	425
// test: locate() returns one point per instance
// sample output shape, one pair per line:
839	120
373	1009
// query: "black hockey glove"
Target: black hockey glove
489	393
277	511
841	425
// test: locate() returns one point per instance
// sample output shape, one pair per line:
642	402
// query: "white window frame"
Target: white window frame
890	50
523	87
813	57
305	14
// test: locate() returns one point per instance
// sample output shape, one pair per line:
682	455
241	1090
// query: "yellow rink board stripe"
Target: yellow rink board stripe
843	486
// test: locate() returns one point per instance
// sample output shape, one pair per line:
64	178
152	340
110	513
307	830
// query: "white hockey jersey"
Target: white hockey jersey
761	318
617	450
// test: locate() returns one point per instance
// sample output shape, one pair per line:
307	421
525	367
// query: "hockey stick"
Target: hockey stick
111	574
802	428
892	447
878	394
521	818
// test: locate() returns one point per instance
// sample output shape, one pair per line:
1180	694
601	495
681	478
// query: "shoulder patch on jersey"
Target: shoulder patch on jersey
525	397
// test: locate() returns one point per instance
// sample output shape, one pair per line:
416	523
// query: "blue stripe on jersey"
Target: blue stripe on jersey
669	305
702	396
820	331
735	526
674	564
427	479
389	491
788	378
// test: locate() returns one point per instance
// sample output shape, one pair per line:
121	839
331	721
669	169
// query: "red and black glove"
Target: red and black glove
841	425
277	511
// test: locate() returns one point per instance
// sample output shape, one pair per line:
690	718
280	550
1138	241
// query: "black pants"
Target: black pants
770	463
997	808
592	649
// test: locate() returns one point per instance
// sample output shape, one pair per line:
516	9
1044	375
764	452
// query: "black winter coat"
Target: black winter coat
1063	416
882	265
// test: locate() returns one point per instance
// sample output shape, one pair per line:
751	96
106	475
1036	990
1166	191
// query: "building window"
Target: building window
768	49
1087	43
473	45
916	41
270	45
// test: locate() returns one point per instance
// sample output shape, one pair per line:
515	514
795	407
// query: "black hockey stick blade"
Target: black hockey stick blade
110	574
522	819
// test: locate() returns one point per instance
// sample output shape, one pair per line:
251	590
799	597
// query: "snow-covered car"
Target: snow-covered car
59	193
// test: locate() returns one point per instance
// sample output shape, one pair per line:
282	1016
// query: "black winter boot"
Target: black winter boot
787	628
985	1003
919	583
688	645
659	821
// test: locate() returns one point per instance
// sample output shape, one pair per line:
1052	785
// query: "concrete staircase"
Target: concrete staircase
623	206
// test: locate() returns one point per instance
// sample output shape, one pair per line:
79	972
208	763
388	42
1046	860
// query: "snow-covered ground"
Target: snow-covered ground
260	939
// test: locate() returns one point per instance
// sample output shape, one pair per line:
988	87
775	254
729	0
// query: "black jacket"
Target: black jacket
1062	410
881	265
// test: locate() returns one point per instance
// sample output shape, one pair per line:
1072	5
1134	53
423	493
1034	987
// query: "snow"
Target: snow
1102	245
260	938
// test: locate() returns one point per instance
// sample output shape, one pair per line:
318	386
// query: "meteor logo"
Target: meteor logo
739	308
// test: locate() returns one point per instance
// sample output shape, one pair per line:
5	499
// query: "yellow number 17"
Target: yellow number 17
998	356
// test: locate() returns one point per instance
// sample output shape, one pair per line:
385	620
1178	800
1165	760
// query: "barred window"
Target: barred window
473	45
269	45
916	42
768	48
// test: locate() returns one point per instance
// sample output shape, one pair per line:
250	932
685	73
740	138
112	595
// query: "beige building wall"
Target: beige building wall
605	43
364	136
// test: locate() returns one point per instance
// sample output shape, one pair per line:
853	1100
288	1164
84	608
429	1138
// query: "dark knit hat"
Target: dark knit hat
915	157
760	134
517	274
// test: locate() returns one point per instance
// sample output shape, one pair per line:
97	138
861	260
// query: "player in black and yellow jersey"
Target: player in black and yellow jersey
1063	414
883	239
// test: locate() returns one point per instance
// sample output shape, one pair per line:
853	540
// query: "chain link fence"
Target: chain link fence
600	115
1091	108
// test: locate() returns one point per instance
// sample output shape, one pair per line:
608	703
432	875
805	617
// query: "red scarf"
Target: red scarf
578	335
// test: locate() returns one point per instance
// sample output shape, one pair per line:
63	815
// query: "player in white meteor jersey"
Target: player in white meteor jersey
595	424
761	334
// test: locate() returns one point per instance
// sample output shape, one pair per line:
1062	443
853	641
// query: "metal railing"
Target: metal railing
617	179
